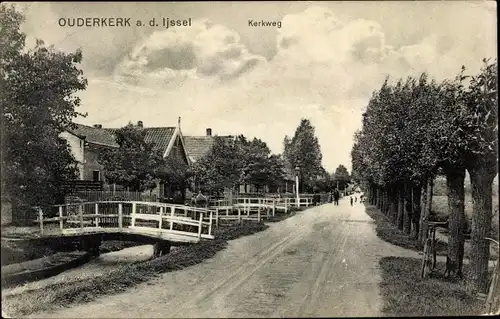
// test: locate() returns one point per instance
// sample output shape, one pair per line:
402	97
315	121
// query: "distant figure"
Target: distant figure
351	200
336	196
361	198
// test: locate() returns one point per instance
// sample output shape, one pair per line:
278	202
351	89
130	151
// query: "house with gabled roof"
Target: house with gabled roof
87	141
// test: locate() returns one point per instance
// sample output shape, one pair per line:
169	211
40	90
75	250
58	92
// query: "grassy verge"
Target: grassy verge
118	280
391	234
405	294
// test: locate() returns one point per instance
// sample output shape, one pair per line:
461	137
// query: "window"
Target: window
96	176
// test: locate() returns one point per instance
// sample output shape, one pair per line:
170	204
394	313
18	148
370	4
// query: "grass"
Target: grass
391	234
405	294
120	279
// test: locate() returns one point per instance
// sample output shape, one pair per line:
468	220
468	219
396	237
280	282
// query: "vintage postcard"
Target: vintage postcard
249	159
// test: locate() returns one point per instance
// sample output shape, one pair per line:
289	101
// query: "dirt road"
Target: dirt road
321	262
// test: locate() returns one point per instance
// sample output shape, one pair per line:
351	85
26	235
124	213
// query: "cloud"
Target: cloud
325	69
202	50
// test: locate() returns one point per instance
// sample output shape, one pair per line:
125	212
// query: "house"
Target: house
87	141
199	146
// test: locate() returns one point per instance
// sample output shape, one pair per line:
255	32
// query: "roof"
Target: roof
94	135
159	136
199	146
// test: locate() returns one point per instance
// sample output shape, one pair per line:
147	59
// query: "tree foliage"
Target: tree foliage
238	161
415	128
134	164
38	103
341	177
303	151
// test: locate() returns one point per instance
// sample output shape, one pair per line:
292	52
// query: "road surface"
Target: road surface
321	262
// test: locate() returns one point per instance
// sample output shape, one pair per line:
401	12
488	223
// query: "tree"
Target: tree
220	168
303	151
38	103
341	177
134	164
481	118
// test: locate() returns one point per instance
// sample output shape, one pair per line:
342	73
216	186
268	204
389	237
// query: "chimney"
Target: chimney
209	132
98	125
179	122
139	124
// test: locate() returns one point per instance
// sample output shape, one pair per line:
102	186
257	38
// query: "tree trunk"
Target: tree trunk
481	176
403	201
394	205
386	202
416	207
455	178
426	208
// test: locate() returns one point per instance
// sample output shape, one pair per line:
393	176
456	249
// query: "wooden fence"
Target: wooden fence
98	196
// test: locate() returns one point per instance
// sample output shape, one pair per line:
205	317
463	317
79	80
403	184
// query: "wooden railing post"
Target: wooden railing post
274	206
172	208
200	225
61	221
239	214
40	218
258	213
160	223
80	213
210	225
97	213
120	215
217	218
134	211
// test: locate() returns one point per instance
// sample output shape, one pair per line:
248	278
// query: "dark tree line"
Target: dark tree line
38	102
418	128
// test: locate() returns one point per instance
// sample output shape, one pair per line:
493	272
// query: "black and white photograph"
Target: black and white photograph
249	159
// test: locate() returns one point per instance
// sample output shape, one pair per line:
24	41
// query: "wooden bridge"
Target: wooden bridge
159	222
170	222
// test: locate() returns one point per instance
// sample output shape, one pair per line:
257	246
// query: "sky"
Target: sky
323	63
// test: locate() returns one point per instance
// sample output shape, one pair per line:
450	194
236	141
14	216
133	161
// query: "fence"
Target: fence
98	196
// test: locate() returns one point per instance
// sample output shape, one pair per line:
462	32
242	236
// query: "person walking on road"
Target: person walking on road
351	200
336	196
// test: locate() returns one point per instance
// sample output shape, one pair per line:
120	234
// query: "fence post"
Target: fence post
134	211
120	215
80	212
210	225
161	218
200	225
217	218
97	213
40	218
239	215
258	214
274	206
61	225
172	208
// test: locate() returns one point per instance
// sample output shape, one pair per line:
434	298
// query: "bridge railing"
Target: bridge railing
109	214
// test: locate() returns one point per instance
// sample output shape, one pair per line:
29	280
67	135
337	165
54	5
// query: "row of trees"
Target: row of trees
37	103
418	128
